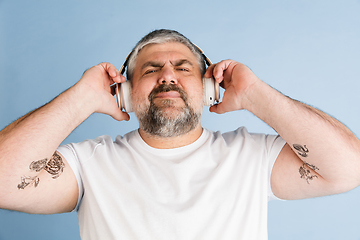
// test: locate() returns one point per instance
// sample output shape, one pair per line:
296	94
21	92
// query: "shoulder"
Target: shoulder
242	134
88	144
242	139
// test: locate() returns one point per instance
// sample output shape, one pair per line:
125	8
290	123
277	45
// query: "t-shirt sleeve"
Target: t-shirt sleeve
68	152
274	146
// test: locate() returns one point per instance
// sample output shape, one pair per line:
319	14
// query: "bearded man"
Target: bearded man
172	178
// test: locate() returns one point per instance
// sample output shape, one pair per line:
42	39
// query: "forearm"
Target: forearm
37	135
320	141
29	166
318	146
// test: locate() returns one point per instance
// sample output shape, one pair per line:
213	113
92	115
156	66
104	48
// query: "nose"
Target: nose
167	76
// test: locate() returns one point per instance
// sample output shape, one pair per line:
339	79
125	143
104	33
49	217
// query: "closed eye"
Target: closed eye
150	71
183	69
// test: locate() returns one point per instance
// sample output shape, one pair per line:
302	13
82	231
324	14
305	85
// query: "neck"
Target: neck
171	142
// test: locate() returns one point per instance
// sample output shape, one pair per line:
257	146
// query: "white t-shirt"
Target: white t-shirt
215	188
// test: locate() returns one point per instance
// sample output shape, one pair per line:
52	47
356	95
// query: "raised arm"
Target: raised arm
34	178
321	157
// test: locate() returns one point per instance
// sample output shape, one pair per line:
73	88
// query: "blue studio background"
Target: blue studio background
307	49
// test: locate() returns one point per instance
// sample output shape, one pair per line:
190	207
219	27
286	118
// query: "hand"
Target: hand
97	82
237	80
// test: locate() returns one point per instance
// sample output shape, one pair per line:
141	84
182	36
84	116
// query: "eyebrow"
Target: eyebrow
152	64
175	63
180	62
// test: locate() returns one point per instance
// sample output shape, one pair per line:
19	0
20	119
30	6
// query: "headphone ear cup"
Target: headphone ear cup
125	96
211	91
117	95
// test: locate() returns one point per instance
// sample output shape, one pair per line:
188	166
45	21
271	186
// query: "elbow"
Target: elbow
343	185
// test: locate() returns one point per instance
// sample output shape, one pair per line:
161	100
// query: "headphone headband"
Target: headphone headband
207	60
122	69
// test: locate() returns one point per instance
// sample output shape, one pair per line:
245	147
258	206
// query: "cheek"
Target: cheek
139	95
139	90
138	98
196	95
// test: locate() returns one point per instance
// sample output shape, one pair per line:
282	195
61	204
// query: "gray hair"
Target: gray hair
158	37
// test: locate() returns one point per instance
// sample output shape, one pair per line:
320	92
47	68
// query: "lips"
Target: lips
170	94
167	92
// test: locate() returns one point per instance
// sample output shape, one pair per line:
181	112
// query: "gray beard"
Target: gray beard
156	122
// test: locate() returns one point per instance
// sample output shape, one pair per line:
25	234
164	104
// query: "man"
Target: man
172	179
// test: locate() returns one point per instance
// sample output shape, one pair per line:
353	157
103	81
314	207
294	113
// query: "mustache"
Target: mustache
167	88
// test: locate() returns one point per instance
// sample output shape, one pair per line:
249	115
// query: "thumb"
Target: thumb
120	115
217	108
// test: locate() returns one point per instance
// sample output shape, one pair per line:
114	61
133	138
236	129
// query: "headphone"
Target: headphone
211	88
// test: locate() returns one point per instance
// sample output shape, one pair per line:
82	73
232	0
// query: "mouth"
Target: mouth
167	92
170	94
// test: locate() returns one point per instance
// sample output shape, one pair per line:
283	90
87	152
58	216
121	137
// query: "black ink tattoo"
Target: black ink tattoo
26	181
55	166
306	173
37	166
301	150
313	167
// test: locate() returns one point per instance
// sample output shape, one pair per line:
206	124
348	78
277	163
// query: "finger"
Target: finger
209	71
125	116
217	108
122	78
219	70
112	71
120	115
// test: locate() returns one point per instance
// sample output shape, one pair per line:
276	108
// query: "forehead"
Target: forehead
164	52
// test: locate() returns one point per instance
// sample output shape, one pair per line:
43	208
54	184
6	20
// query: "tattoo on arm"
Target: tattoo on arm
306	173
313	167
54	166
301	150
